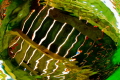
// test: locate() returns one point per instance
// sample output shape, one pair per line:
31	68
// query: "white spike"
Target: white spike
34	34
19	49
66	71
37	62
47	32
56	36
12	52
55	68
24	55
34	20
72	45
75	55
65	41
31	56
48	61
27	19
15	42
80	47
48	77
82	43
